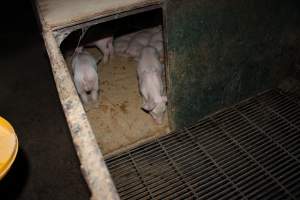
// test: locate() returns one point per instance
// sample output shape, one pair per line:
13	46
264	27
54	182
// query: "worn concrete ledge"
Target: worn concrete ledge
93	166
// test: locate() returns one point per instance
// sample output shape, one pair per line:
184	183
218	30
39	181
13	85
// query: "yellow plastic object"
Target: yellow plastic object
8	146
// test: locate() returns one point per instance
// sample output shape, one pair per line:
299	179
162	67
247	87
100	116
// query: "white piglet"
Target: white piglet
137	43
121	44
150	73
105	45
156	41
85	76
134	49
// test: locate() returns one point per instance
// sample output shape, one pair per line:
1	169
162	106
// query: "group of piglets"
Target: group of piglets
146	47
131	45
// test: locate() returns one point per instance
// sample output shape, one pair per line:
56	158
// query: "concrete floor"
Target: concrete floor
46	166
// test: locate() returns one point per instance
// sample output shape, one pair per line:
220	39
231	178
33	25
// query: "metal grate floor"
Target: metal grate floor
248	151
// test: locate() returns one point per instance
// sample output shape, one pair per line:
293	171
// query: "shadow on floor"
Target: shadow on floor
15	180
46	166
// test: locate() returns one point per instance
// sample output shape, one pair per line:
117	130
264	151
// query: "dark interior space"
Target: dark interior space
46	166
117	27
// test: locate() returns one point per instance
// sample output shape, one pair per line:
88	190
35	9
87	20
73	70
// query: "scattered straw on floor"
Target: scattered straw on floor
118	121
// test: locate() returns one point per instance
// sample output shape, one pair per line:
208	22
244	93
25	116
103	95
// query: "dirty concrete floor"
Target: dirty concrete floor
46	166
119	122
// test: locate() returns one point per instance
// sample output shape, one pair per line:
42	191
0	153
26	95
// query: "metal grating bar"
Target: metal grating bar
254	160
217	165
248	151
278	105
263	158
141	178
259	159
273	126
269	137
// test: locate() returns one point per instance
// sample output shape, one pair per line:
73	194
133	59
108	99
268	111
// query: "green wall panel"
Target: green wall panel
220	52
